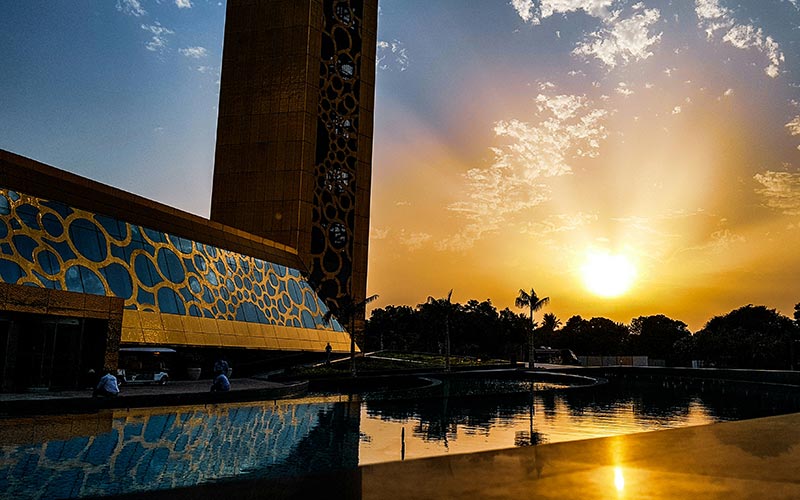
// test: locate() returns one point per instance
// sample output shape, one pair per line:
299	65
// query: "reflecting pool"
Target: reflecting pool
138	450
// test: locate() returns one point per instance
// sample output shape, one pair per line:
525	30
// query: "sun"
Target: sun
608	275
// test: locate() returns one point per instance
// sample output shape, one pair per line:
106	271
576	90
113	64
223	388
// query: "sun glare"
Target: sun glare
608	275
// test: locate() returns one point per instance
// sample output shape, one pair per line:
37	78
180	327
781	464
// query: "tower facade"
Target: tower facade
294	135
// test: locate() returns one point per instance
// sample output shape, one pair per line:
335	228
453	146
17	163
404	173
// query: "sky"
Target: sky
561	145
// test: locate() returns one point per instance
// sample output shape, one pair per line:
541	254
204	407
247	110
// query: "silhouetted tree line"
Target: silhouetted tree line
476	329
748	337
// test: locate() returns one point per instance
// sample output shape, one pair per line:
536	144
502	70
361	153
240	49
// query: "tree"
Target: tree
655	336
533	303
797	313
443	310
346	312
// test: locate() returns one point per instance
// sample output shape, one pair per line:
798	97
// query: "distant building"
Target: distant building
86	268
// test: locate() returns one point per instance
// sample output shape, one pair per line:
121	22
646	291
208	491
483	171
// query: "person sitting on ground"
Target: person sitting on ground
107	387
221	383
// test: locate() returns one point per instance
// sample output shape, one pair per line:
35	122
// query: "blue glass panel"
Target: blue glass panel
139	241
275	313
279	270
46	282
187	295
62	248
234	300
10	271
195	311
146	271
171	266
194	284
58	207
91	282
294	292
119	280
221	306
248	312
5	206
294	273
6	249
273	280
208	297
200	263
229	285
145	297
238	281
224	293
169	302
29	215
122	253
248	284
182	244
244	265
15	224
231	263
220	267
211	277
257	290
25	246
310	301
88	240
116	229
211	251
259	264
52	225
287	302
154	236
3	230
189	265
282	307
48	261
13	195
208	314
295	322
308	320
258	276
269	289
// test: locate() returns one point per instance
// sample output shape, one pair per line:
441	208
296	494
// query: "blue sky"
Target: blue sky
515	140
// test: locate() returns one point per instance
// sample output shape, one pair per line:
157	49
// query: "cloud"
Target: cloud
184	4
794	126
622	40
415	241
780	191
623	89
712	17
158	42
376	233
560	223
529	13
676	110
566	127
194	52
131	7
391	55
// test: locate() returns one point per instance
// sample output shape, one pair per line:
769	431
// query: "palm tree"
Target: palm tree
346	311
533	303
443	309
550	322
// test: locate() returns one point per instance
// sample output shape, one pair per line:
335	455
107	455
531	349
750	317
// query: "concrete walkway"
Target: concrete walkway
174	393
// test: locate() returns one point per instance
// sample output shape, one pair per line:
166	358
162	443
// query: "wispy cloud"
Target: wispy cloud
560	223
158	42
414	241
567	127
713	18
392	55
780	191
530	13
622	40
194	52
183	4
131	7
